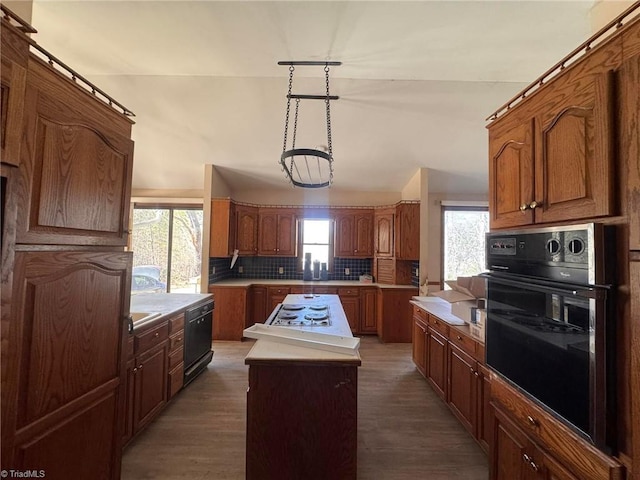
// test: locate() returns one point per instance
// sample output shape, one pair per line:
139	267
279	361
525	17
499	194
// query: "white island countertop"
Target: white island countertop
270	351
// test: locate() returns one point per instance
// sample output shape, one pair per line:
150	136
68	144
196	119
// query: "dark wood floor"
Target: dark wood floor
404	430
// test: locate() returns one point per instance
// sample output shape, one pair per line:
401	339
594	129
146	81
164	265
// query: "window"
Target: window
167	246
463	239
316	238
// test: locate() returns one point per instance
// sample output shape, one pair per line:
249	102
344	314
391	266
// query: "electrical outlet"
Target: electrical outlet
280	270
417	272
240	269
213	270
347	271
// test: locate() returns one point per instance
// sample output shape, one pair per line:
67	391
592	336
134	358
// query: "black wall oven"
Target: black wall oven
549	329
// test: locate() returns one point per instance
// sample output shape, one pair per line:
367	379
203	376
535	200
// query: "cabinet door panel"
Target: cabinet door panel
14	78
511	447
511	180
151	385
383	235
247	230
65	345
408	232
437	363
574	164
79	447
419	345
462	387
351	306
268	237
76	167
363	241
368	314
344	234
287	235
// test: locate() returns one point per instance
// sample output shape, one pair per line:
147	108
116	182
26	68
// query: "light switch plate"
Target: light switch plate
280	270
240	269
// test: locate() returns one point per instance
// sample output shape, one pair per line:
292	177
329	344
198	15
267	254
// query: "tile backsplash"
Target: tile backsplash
270	268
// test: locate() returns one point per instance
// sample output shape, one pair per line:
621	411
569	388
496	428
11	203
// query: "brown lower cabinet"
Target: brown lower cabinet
529	443
241	307
521	459
453	364
147	380
302	419
230	312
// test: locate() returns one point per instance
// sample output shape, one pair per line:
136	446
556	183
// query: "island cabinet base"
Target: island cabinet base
302	420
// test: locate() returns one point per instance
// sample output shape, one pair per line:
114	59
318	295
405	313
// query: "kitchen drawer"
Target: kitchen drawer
279	290
176	357
420	313
176	341
176	324
582	457
348	291
176	380
152	337
439	325
314	289
463	342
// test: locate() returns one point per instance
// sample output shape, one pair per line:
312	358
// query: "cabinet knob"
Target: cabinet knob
179	339
140	367
524	207
535	204
135	369
157	334
459	338
532	421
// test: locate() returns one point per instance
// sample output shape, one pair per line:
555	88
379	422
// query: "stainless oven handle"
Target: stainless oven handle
597	293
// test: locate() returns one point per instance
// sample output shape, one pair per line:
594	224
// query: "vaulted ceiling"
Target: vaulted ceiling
418	80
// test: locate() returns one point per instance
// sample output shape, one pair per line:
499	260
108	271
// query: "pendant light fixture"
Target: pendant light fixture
308	167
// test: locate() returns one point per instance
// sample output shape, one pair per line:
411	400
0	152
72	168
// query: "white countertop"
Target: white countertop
164	303
248	282
440	308
265	350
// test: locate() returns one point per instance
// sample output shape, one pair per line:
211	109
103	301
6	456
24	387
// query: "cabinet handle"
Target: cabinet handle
532	421
179	339
458	337
130	324
140	367
135	369
157	334
535	204
530	461
524	207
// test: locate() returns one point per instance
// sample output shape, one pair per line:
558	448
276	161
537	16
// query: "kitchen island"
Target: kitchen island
302	404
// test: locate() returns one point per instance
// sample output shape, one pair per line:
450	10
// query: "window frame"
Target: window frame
171	207
443	210
300	246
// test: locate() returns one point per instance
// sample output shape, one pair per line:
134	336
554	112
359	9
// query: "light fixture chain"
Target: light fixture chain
327	102
295	124
286	121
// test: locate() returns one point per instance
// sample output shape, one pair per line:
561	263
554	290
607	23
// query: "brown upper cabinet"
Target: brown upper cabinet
407	231
354	234
76	165
247	230
553	160
14	54
223	227
383	232
277	232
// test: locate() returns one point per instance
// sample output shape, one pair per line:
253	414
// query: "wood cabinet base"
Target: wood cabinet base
302	422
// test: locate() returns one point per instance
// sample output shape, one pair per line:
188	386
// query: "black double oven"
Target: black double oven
550	331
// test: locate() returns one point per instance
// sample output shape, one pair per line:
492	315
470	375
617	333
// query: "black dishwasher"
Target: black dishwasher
197	346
